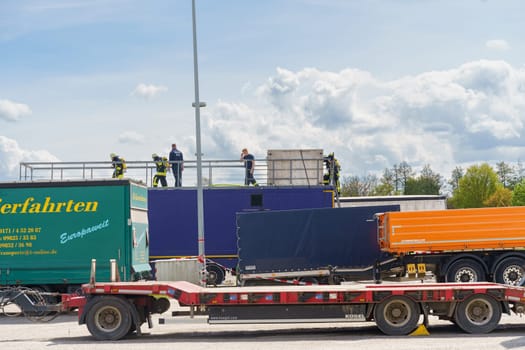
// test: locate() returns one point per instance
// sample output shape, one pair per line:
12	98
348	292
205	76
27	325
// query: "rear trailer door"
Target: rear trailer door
139	233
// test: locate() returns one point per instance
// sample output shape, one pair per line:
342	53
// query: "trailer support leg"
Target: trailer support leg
377	273
424	307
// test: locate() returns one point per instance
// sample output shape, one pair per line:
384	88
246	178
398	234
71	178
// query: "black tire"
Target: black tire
109	318
478	314
132	329
397	315
215	274
465	271
511	271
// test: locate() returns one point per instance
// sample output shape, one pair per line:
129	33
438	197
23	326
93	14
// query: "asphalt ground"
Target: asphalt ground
195	334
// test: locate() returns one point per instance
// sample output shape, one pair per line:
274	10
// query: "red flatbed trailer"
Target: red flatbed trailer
114	309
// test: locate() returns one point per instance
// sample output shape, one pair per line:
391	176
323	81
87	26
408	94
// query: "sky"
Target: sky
377	82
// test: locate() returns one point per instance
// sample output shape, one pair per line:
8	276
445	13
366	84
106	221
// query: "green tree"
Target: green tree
457	174
355	186
350	186
506	174
427	182
386	185
520	172
383	189
475	187
518	197
402	172
502	197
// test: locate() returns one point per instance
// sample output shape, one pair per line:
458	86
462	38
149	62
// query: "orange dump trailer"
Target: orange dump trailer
452	230
460	245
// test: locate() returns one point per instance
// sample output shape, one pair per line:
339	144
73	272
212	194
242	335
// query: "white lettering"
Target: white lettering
66	237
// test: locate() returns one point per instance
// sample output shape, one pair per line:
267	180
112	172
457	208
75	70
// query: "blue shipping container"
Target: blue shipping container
173	216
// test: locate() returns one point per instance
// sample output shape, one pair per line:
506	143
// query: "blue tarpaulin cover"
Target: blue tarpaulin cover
305	239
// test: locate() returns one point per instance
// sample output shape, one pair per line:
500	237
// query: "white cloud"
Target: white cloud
11	154
12	111
148	91
497	44
473	113
132	137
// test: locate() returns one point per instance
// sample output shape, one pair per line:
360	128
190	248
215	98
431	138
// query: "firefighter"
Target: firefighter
162	166
119	165
333	167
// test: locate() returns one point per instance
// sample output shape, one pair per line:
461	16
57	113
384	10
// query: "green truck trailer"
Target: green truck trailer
50	232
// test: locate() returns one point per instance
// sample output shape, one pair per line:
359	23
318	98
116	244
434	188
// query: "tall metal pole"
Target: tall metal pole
200	200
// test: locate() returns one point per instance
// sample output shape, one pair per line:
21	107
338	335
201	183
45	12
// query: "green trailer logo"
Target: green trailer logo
31	206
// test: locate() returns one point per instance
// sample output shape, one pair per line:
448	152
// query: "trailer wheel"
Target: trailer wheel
478	314
465	271
215	274
511	271
109	318
397	315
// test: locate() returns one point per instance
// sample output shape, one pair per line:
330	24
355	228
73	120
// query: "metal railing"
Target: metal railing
282	172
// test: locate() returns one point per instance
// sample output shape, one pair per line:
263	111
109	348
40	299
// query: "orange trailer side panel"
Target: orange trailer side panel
452	230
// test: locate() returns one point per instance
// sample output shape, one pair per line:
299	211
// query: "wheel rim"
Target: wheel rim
212	277
466	274
215	275
108	319
513	275
397	313
479	312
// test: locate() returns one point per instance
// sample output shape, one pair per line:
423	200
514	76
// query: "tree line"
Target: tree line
478	186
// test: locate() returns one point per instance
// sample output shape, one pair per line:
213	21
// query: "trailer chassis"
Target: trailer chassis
113	310
34	304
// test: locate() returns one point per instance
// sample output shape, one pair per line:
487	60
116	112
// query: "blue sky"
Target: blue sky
437	82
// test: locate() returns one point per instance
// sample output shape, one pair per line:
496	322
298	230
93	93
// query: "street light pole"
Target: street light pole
200	200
